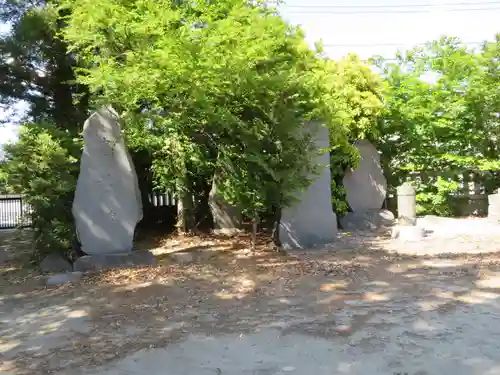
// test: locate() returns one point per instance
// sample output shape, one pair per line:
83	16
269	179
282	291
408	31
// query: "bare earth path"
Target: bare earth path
355	309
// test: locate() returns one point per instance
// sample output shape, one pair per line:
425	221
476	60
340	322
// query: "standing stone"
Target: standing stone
107	204
494	208
366	186
227	219
311	222
407	204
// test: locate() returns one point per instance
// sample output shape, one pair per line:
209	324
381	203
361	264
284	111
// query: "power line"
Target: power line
329	12
393	6
329	45
391	9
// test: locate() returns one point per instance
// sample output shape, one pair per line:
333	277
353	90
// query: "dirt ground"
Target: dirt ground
361	306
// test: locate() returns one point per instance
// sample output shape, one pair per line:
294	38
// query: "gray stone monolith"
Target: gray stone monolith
227	218
107	204
494	207
366	186
311	222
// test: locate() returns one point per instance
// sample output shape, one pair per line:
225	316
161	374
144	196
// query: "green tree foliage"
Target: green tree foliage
356	94
441	118
40	167
216	88
35	68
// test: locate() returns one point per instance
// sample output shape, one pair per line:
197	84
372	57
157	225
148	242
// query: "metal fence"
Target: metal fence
159	199
13	212
469	199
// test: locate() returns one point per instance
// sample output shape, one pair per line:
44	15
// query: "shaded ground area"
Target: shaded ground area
354	309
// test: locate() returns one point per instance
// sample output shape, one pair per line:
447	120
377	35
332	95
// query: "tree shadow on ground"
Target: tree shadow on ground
362	297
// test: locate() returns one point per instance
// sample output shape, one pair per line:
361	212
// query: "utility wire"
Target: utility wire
392	6
329	12
328	45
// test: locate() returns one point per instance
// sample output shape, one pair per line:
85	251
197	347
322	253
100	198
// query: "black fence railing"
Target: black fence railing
159	199
13	212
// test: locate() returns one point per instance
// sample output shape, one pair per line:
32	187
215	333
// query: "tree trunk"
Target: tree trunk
276	227
185	218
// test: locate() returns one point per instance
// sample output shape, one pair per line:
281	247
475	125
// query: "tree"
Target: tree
438	128
355	98
40	167
209	88
35	68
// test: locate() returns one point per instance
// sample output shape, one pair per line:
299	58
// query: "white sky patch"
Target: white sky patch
430	77
10	130
380	33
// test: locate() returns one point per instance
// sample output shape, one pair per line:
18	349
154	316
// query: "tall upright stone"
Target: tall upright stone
366	186
311	222
494	207
227	219
107	204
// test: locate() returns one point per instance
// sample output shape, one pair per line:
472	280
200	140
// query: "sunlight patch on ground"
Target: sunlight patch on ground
431	305
8	345
423	325
443	294
491	280
443	263
77	314
134	287
242	286
331	299
377	297
333	286
477	297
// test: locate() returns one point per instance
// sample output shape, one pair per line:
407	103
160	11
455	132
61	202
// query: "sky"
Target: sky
381	27
375	27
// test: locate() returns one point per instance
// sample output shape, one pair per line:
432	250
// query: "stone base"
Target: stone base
295	235
107	261
408	233
63	278
55	263
368	220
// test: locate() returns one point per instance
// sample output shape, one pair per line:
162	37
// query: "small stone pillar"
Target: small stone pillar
494	208
407	205
407	229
